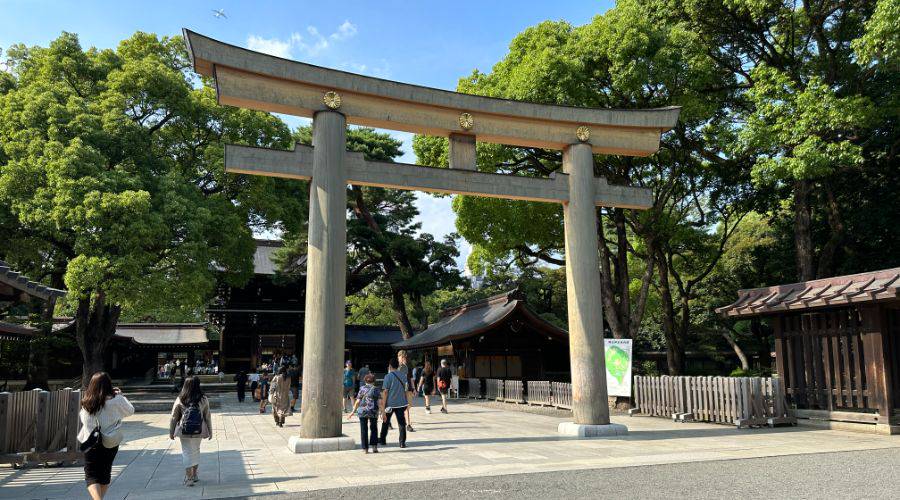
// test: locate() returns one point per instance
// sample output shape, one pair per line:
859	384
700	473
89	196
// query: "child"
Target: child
368	404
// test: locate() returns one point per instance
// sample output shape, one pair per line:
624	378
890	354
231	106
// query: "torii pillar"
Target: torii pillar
323	342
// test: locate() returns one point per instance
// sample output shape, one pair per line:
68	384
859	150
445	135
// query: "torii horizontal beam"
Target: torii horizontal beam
254	80
298	164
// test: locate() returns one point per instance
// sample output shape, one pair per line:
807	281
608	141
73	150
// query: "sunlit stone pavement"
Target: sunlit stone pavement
249	455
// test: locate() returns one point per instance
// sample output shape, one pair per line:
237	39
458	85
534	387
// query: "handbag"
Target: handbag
92	440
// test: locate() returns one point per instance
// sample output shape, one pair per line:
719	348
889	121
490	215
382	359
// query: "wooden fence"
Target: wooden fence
494	389
39	426
741	401
538	393
514	391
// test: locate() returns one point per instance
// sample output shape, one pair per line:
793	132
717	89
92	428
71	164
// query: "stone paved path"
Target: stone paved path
249	455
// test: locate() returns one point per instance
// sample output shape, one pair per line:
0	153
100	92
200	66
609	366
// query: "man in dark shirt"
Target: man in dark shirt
444	378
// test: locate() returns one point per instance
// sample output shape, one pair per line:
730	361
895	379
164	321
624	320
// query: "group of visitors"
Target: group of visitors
172	369
103	407
282	389
394	398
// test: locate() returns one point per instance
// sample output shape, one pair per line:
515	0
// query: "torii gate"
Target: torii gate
334	98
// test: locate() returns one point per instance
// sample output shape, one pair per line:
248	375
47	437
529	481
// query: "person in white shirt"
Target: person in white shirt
191	422
102	409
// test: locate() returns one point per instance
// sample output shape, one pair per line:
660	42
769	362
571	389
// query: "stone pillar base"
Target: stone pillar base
299	444
581	431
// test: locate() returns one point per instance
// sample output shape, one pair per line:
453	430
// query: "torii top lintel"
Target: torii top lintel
260	81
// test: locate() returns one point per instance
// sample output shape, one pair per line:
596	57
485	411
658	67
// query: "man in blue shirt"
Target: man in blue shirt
394	392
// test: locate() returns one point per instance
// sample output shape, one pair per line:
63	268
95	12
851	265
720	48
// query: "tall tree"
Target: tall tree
388	254
112	183
818	82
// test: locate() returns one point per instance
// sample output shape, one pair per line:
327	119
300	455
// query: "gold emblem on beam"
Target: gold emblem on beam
583	133
332	99
466	121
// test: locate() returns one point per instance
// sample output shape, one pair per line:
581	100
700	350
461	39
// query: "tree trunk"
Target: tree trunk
836	225
674	347
95	324
38	350
803	231
732	341
400	312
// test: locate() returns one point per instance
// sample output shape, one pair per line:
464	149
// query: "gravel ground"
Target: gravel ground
865	474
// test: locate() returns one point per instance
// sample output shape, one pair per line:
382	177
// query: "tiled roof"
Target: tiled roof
21	282
875	286
473	319
263	258
163	333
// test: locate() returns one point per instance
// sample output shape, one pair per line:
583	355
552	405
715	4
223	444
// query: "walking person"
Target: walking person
349	385
102	409
253	377
240	381
444	377
263	391
410	386
280	396
294	375
426	385
368	405
396	401
191	423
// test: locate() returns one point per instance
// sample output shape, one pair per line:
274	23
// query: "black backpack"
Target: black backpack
192	420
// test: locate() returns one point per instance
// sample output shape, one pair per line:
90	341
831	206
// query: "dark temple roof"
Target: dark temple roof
372	335
875	286
21	282
473	319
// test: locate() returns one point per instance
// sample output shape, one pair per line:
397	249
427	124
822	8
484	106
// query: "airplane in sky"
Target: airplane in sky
220	13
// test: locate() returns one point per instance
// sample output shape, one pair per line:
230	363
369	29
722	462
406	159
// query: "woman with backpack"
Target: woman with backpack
191	423
280	395
102	409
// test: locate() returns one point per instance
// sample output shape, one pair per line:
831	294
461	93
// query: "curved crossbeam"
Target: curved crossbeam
259	81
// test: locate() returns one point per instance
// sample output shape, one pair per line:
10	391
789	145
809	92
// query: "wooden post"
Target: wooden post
587	361
41	419
323	346
879	383
4	422
72	421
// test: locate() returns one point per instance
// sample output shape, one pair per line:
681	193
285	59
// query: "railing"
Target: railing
495	389
561	393
538	393
471	388
39	426
514	391
741	401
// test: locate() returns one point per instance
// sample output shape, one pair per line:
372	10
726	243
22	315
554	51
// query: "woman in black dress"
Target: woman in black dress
426	385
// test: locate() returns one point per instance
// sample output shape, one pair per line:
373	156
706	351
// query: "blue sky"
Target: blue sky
431	43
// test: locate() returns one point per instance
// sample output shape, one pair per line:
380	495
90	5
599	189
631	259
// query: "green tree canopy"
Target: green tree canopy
112	182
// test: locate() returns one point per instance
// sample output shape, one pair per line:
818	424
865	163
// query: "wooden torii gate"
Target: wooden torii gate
335	98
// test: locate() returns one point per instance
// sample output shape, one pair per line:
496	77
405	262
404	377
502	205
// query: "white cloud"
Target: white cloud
344	31
310	44
271	46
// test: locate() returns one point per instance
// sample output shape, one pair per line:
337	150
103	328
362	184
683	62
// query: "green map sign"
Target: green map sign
618	366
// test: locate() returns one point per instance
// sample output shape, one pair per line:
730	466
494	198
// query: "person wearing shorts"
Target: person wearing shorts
444	377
